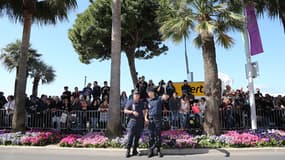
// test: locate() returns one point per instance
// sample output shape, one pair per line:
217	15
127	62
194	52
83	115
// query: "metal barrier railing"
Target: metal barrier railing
5	119
230	119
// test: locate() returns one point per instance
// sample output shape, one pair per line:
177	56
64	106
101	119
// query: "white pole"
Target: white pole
249	74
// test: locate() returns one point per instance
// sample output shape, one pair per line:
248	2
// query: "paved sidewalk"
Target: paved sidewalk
187	151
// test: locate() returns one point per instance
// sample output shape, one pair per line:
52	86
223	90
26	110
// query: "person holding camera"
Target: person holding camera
161	88
141	87
185	88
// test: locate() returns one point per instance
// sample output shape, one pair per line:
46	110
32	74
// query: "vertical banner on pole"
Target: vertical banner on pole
253	31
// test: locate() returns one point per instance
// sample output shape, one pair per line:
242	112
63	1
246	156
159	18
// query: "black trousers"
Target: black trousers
134	132
155	137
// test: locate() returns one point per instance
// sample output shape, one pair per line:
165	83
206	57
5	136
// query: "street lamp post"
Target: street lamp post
249	73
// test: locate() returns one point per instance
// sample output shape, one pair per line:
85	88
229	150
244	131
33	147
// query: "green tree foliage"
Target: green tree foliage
43	73
271	8
91	33
28	12
211	21
10	56
36	68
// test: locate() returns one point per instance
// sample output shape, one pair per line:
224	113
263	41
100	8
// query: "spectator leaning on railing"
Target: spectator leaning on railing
174	107
184	111
10	105
123	100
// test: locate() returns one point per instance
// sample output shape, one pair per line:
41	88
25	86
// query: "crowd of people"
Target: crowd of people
235	108
96	98
240	99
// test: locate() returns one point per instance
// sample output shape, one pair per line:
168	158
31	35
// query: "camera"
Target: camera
161	83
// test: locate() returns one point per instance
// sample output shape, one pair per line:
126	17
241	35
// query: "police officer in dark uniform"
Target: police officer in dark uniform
155	120
136	110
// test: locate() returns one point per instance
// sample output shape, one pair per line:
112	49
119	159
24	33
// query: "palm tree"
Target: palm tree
179	21
11	54
212	21
28	12
36	68
114	127
41	72
273	8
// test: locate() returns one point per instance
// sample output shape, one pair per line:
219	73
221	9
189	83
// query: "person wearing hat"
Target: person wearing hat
155	120
136	111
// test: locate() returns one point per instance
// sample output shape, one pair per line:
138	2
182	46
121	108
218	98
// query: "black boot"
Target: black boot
128	153
150	153
159	154
135	152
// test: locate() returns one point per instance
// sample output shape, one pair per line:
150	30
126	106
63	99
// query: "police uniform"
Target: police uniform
135	125
155	117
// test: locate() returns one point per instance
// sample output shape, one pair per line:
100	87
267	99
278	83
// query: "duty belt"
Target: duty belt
154	118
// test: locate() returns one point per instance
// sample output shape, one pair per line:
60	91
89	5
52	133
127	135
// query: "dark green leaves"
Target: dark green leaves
91	33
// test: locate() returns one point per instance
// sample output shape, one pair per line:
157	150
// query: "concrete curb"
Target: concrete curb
186	151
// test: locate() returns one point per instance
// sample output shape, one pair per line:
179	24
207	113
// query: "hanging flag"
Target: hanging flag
253	31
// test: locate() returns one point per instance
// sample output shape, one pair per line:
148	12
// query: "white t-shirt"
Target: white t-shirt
9	105
184	107
202	106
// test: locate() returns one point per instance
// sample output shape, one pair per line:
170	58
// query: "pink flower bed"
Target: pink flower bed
244	139
177	139
40	138
88	140
69	141
93	140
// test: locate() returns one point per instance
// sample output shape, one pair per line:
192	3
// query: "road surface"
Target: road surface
37	153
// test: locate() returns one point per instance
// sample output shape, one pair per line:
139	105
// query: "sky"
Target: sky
52	41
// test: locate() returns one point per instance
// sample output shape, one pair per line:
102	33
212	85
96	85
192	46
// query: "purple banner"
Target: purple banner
253	31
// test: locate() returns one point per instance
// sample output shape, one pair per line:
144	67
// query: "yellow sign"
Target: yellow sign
197	88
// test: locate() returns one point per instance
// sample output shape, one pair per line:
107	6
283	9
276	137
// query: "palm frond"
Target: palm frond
10	56
43	72
44	12
176	20
208	26
51	11
224	40
198	41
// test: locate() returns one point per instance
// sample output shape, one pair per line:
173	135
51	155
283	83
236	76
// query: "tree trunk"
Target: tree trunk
15	83
18	123
35	86
186	56
132	65
114	123
212	85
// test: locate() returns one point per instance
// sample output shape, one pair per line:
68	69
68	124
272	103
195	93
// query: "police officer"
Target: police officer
155	120
136	110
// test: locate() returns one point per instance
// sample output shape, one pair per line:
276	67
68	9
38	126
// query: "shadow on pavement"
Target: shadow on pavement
227	153
178	151
188	151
